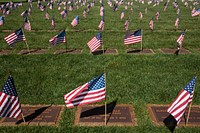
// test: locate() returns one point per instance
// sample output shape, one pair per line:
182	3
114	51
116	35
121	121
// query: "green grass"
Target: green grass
132	79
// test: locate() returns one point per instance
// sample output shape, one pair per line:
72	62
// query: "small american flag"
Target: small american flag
84	13
75	21
1	20
9	104
24	14
133	37
196	13
157	15
151	24
177	22
141	15
14	37
101	24
91	92
180	38
126	24
63	13
95	42
178	106
46	15
122	14
53	23
60	38
27	24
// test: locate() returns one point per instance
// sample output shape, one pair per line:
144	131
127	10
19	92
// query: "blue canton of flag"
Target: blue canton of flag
190	88
97	83
1	20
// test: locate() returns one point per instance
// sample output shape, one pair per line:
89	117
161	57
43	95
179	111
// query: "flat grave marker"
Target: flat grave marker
107	51
69	51
135	51
159	112
94	115
43	115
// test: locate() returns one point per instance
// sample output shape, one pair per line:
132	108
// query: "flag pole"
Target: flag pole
23	118
26	41
105	99
190	108
141	41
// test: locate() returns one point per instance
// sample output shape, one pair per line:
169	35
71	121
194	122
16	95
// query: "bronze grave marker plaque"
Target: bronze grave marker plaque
68	51
138	51
159	112
107	51
47	115
94	115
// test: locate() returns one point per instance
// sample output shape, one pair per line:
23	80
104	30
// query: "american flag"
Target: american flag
126	24
178	106
157	15
140	14
75	21
95	42
122	14
1	20
70	8
9	101
102	13
53	23
15	37
24	14
180	38
133	37
60	38
46	15
84	13
63	13
151	24
176	22
102	23
91	92
196	13
27	24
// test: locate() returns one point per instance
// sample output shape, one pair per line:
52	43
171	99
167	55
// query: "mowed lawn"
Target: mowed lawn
131	79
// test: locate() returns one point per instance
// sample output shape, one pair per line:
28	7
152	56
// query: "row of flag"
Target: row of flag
91	92
93	44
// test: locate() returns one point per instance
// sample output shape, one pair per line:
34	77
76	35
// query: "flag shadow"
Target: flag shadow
98	52
134	51
170	122
100	110
32	116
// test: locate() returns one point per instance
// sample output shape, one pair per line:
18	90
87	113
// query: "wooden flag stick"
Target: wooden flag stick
190	107
103	49
26	42
23	118
141	42
105	99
